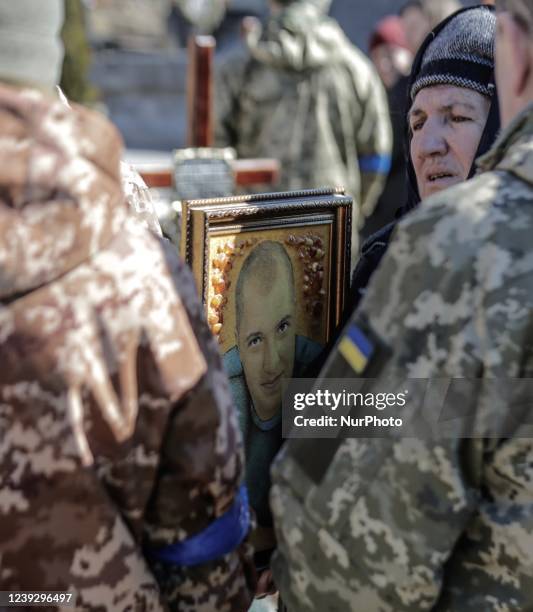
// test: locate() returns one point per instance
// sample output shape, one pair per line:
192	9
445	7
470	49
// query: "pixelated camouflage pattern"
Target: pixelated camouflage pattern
117	429
305	95
138	195
403	524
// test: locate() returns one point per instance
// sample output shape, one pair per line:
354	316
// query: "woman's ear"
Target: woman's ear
520	50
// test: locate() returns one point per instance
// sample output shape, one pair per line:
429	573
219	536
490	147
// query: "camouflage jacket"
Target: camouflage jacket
137	193
407	524
117	430
305	95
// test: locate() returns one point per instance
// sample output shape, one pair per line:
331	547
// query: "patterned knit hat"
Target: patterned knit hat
461	54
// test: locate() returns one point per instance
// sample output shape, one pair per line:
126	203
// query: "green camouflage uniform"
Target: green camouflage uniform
401	525
118	436
305	95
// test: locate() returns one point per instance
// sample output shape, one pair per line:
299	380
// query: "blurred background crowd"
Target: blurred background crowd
129	59
131	55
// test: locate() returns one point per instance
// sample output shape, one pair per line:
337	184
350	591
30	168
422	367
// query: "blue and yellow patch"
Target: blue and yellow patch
356	348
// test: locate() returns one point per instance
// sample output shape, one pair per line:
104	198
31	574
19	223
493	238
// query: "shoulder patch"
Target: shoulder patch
362	349
356	348
366	354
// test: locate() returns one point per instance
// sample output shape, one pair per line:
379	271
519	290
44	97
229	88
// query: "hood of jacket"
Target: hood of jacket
488	137
513	151
301	37
61	198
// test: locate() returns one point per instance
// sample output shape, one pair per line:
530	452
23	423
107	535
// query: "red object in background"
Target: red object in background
390	30
200	91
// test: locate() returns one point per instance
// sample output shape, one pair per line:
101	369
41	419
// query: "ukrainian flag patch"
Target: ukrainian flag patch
356	348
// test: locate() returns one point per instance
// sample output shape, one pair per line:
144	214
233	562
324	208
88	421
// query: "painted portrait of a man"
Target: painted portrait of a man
267	350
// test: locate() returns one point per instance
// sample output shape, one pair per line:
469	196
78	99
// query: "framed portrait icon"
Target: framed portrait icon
306	232
273	272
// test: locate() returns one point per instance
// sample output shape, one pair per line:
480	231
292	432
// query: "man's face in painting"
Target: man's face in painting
266	337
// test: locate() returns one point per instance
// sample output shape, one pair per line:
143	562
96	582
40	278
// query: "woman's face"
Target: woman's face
391	63
446	124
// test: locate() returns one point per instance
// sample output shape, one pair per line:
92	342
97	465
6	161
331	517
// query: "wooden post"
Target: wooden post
200	91
200	124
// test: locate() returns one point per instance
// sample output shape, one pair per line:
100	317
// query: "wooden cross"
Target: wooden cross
200	91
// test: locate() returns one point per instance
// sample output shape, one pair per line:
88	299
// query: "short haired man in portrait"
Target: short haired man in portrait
265	302
267	350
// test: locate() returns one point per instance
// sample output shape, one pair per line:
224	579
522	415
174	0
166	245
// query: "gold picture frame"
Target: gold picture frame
273	273
234	225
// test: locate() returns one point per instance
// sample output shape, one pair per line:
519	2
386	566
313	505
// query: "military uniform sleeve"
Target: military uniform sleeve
445	300
199	478
388	511
373	137
411	513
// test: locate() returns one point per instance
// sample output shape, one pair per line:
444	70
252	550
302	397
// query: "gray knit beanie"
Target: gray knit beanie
461	54
31	52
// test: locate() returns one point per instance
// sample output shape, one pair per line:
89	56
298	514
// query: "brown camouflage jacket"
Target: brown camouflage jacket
117	430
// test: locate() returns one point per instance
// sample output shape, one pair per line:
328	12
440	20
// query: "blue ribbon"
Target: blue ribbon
379	164
221	537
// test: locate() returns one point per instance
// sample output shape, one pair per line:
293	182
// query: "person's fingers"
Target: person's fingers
265	584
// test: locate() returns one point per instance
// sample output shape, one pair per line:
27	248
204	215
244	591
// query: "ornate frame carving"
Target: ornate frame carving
203	219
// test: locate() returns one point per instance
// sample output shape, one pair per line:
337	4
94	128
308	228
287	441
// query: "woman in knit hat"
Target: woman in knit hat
453	119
